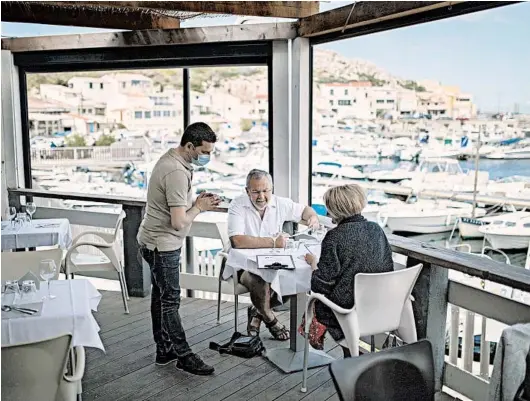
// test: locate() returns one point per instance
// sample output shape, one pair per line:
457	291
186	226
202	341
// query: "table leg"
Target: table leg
292	359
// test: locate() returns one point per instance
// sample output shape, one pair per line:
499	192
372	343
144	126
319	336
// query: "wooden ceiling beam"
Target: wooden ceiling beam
364	13
72	15
280	9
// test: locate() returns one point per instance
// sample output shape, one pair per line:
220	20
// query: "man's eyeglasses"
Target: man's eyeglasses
265	191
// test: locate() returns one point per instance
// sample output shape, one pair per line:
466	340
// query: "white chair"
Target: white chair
383	303
109	261
16	264
239	289
36	371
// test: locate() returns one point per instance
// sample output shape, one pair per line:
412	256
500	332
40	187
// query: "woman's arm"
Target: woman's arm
324	278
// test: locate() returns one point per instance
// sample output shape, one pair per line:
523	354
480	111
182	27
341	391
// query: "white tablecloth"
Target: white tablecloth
40	232
69	312
283	282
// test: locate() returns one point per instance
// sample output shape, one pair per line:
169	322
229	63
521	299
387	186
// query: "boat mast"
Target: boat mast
477	156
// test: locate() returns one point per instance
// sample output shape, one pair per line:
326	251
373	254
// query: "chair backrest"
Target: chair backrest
118	226
34	371
16	264
380	298
395	374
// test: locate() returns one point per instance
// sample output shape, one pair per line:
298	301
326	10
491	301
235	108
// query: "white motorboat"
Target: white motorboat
468	227
394	176
446	174
508	234
324	169
519	151
425	216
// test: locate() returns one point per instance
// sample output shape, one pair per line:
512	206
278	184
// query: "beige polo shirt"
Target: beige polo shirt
169	186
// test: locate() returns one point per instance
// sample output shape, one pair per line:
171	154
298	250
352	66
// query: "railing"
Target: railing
437	295
87	155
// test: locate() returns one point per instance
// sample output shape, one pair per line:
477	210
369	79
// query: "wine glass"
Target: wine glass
277	235
48	270
31	208
11	212
320	233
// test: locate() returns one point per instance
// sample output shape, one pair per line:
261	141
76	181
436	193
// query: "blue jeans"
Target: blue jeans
168	332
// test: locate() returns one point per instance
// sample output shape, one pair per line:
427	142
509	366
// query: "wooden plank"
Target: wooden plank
95	17
364	12
370	17
280	9
470	264
465	383
496	307
214	34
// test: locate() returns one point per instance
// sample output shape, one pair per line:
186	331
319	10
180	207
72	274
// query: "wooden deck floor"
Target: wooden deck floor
127	372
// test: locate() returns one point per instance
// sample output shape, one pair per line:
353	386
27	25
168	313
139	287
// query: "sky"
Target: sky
486	54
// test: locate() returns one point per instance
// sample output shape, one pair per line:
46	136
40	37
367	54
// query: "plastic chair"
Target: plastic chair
383	303
16	264
109	261
35	371
395	374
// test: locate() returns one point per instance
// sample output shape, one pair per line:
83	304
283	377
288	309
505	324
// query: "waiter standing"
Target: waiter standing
169	213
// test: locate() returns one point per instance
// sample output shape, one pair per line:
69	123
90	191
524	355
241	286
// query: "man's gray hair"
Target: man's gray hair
257	174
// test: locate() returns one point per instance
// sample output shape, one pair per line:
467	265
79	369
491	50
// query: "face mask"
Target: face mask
201	160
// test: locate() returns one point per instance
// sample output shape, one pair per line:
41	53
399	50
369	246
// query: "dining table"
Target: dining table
293	284
36	233
69	312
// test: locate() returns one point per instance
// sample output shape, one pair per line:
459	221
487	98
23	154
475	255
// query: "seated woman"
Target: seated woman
354	246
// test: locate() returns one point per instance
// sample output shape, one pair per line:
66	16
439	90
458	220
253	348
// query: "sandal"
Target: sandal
253	315
279	331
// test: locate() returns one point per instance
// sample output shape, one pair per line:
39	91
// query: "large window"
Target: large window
234	102
106	141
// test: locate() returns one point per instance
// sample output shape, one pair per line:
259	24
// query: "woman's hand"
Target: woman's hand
311	260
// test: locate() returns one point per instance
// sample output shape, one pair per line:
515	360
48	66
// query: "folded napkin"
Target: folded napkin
30	276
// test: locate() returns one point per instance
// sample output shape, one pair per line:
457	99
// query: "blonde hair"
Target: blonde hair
345	201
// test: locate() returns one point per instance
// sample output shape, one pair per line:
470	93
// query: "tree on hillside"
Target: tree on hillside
75	141
412	85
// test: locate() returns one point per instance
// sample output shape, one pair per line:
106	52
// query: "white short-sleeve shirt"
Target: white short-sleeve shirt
244	219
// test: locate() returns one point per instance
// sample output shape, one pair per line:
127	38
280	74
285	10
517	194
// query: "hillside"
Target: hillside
329	67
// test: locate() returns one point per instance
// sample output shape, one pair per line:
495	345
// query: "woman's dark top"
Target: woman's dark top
354	246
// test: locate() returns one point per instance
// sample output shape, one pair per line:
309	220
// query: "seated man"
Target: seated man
253	222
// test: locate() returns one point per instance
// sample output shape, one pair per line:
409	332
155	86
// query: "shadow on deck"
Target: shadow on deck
127	371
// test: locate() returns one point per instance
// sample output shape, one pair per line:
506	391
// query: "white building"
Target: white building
89	87
348	100
128	83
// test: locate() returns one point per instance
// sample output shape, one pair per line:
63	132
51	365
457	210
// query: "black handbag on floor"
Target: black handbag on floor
241	346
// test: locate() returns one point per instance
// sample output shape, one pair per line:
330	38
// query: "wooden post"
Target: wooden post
137	272
430	312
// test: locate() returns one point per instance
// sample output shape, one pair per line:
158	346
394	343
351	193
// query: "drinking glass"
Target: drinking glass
48	270
275	236
11	293
11	212
31	208
320	233
290	245
28	291
21	219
